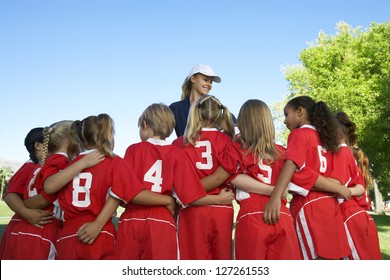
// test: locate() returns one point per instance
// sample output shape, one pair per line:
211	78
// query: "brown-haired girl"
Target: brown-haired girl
29	241
317	217
19	188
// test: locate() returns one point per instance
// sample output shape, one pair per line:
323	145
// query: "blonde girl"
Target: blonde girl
205	232
163	170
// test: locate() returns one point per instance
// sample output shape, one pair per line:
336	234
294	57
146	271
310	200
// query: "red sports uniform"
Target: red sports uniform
254	239
20	183
82	200
317	216
356	219
149	232
205	232
29	241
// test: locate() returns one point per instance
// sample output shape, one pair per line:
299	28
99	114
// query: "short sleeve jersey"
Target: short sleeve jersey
236	160
86	194
344	167
54	163
312	160
162	167
21	182
204	155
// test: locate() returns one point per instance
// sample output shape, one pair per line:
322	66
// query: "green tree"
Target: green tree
350	71
5	174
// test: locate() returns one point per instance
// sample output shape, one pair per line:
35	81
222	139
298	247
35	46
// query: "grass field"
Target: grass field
382	223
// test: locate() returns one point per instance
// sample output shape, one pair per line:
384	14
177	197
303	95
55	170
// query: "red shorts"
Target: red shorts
205	232
7	232
256	240
146	233
70	248
319	226
29	242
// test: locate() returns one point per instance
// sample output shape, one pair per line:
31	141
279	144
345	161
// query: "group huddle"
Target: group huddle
178	196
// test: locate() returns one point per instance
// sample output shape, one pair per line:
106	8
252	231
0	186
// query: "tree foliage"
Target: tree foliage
350	71
5	174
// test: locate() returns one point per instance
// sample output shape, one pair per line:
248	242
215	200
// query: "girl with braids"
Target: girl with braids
205	232
315	211
198	83
345	170
255	153
19	188
28	241
148	231
90	199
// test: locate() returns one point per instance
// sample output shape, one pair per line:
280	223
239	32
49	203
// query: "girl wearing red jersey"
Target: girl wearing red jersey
88	207
205	232
19	188
29	241
358	223
148	231
254	153
317	217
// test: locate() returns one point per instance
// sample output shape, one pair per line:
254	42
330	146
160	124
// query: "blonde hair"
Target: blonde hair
53	137
364	164
95	132
207	112
159	118
186	88
257	131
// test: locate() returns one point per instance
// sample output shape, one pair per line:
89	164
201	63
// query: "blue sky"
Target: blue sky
66	59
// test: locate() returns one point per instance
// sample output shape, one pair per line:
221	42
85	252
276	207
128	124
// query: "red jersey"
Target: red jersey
54	164
86	194
164	168
305	150
23	178
204	155
234	160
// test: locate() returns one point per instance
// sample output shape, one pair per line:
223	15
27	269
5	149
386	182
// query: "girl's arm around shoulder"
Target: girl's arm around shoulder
58	180
225	196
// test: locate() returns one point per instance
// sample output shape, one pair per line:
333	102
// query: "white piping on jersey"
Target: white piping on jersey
297	189
115	196
87	152
301	217
147	219
158	142
351	244
209	129
75	235
52	251
260	212
211	205
308	126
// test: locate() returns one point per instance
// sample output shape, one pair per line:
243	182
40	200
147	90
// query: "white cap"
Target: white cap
205	70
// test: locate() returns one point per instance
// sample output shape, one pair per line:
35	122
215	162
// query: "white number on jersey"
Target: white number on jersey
154	176
323	162
30	189
81	196
206	155
266	179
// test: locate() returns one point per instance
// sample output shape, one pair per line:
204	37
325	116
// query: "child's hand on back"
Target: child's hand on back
92	158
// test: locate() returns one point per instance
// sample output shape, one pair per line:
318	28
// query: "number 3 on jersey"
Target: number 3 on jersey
153	175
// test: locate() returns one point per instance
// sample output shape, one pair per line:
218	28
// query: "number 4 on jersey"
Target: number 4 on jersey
154	176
